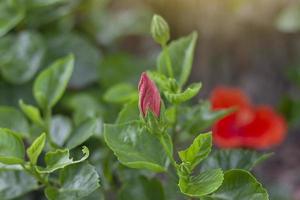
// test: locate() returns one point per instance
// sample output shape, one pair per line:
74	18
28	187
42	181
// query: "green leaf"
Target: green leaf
36	148
200	117
160	79
130	112
141	188
24	54
181	53
202	184
12	150
76	182
87	55
120	93
234	159
11	15
189	93
60	130
13	119
239	184
120	68
82	133
14	184
92	108
198	151
51	83
60	158
135	147
32	113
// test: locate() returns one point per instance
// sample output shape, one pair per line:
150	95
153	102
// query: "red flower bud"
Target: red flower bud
149	97
249	126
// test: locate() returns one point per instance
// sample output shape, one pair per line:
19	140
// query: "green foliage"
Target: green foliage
142	188
32	113
202	184
135	146
198	151
13	119
234	159
23	56
120	93
82	133
181	53
77	181
15	184
77	93
12	150
86	54
60	158
186	95
11	15
239	184
51	83
200	117
36	148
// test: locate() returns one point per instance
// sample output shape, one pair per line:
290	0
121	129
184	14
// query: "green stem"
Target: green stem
174	131
168	60
31	170
167	150
47	119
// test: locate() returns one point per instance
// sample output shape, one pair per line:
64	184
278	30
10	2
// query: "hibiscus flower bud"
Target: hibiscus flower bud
149	97
160	30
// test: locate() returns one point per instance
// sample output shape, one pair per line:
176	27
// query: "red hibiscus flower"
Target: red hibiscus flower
149	97
249	126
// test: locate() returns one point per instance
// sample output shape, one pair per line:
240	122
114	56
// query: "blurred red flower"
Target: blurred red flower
149	97
249	126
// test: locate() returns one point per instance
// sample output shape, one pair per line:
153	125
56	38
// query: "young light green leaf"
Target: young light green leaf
13	119
200	117
60	158
135	147
11	15
60	129
12	150
14	184
82	133
51	83
234	159
76	182
239	184
189	93
142	188
120	93
202	184
198	151
36	148
181	53
32	113
24	54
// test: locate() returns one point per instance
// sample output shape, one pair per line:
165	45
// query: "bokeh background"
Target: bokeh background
250	44
253	45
